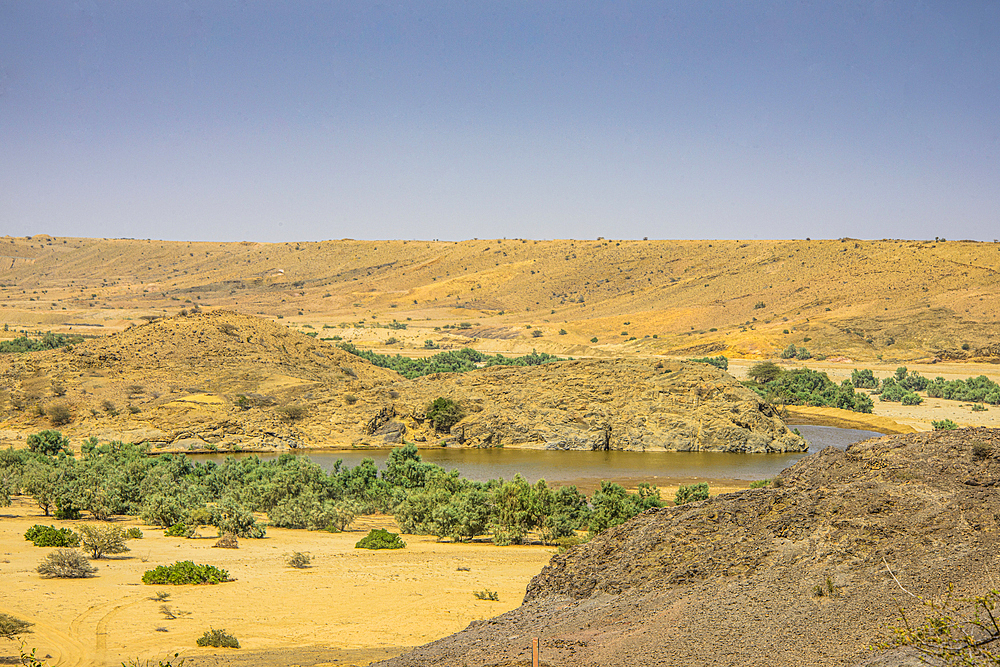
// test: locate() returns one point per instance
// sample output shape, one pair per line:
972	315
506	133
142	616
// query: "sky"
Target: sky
275	121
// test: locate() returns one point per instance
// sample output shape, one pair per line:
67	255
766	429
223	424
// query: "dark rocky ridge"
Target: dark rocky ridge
731	580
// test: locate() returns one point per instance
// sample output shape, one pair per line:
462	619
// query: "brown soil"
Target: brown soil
803	574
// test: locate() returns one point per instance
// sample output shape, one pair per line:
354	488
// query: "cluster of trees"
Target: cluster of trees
904	385
792	352
178	494
49	341
802	386
459	361
719	361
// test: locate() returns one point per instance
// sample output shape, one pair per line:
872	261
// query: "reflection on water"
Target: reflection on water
586	467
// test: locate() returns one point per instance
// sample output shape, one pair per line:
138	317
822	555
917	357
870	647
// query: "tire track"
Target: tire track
69	652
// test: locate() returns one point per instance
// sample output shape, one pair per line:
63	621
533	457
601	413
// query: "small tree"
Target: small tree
59	414
99	541
690	493
764	372
47	442
444	413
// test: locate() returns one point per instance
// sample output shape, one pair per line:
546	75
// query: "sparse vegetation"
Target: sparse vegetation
12	627
49	341
943	425
486	594
981	450
185	572
218	639
719	361
50	536
459	361
100	541
299	560
760	484
689	493
65	563
802	386
292	413
379	538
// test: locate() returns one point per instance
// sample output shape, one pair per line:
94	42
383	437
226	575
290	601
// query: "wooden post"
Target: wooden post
534	652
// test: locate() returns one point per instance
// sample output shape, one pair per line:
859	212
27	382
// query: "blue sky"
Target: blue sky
234	120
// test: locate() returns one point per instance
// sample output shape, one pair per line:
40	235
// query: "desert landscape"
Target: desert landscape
239	348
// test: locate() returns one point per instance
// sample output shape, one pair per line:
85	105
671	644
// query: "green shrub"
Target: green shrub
292	413
719	361
50	536
380	539
944	425
760	484
133	533
764	372
594	339
688	493
65	564
911	398
863	379
487	594
185	572
218	639
179	529
444	413
47	442
978	407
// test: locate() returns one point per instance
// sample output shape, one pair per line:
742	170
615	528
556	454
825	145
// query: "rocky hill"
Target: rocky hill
892	300
228	381
807	573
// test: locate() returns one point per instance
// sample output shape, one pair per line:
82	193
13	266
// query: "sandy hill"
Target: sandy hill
227	381
890	299
797	575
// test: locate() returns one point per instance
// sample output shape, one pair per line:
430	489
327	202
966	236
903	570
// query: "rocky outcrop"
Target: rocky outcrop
808	573
599	404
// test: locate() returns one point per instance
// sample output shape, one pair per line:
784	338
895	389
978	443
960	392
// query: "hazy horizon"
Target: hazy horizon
444	120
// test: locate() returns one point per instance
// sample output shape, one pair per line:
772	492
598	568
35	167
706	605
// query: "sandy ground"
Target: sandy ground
352	607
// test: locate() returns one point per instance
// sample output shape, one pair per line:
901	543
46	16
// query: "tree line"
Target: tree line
457	361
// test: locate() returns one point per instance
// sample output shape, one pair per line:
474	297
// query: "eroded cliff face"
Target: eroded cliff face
228	381
808	573
620	404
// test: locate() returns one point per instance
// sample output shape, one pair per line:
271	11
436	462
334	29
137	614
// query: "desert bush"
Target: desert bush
65	564
978	407
299	560
594	339
102	540
59	414
955	631
218	639
790	352
109	407
911	398
47	442
444	413
179	529
227	541
292	413
231	517
760	484
379	538
689	493
981	450
11	626
944	425
50	536
487	594
185	572
536	333
133	533
863	379
613	505
719	362
458	361
350	399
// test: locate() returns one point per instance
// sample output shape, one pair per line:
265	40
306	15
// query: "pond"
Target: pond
587	468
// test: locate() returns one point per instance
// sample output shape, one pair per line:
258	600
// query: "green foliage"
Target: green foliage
688	493
511	513
802	386
102	540
974	390
49	341
459	361
944	425
11	626
229	516
760	484
719	361
47	442
955	631
65	563
380	539
863	379
133	533
594	339
613	505
764	372
978	407
444	413
790	352
177	530
487	594
218	639
185	572
50	536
